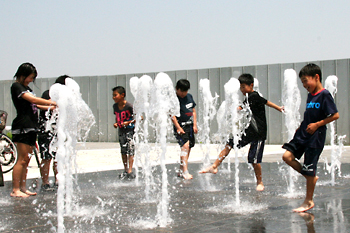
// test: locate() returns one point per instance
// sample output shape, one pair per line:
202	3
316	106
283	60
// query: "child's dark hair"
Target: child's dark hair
120	90
310	69
25	70
246	79
183	85
62	79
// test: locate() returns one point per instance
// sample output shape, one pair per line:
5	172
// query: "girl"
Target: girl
25	125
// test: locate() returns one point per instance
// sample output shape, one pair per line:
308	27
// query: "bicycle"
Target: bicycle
8	150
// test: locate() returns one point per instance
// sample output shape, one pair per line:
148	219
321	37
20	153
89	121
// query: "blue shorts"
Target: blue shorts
311	156
187	136
256	149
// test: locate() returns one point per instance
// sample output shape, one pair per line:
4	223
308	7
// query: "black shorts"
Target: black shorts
311	156
126	140
25	138
44	140
256	149
187	136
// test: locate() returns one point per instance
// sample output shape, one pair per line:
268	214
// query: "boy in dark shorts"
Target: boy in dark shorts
185	126
309	138
255	134
124	113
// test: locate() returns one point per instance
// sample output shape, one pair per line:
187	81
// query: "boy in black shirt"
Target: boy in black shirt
185	126
255	134
310	137
124	113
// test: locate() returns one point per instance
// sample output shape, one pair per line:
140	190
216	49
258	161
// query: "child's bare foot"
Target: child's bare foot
18	194
305	207
29	193
260	187
210	169
187	176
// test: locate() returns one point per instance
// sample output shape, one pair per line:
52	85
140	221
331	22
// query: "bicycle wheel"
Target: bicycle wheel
35	153
8	153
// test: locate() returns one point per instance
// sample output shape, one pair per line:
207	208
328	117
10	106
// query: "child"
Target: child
123	111
25	125
185	126
44	139
256	136
310	137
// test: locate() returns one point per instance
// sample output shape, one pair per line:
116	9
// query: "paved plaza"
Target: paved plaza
208	203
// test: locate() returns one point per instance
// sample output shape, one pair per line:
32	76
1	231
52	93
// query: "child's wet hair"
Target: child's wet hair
311	69
183	85
25	70
246	79
120	90
62	79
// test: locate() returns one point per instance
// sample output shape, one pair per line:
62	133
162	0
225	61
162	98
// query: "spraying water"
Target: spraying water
164	104
291	101
74	122
232	88
141	89
206	115
336	150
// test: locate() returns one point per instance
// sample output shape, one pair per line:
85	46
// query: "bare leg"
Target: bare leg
258	175
45	170
214	168
131	162
289	158
310	188
55	171
19	173
125	162
308	203
185	153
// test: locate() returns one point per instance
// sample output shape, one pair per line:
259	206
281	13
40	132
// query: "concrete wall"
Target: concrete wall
96	91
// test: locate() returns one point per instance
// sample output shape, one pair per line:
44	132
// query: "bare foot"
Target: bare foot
29	193
187	176
18	194
210	169
305	207
260	187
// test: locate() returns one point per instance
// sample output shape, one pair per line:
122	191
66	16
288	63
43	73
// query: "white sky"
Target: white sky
102	37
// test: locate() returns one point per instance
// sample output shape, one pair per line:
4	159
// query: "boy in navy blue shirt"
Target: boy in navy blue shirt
309	138
185	126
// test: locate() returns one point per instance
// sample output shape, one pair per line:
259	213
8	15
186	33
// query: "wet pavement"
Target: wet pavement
105	203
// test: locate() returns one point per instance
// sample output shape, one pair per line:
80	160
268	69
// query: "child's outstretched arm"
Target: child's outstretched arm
312	127
275	106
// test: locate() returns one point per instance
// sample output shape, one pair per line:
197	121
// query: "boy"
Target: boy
255	134
44	140
123	111
185	126
309	138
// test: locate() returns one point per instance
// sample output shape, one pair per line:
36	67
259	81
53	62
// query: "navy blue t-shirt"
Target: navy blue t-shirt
186	108
318	107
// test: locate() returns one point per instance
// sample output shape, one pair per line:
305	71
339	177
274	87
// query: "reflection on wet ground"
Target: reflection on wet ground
205	204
